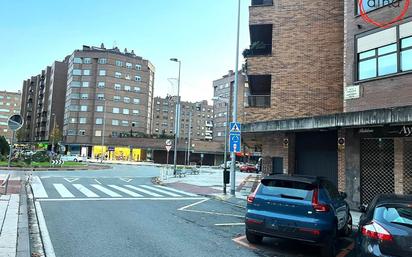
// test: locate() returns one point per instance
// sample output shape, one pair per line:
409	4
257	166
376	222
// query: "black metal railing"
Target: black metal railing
258	48
259	101
262	2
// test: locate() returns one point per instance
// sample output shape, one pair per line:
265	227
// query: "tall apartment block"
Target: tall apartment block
109	93
9	105
42	103
222	106
199	114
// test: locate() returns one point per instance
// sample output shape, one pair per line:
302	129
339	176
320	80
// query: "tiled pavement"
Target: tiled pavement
9	211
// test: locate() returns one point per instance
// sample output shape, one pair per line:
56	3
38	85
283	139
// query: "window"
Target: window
98	133
126	111
102	72
100	96
119	63
129	65
135	112
71	132
102	61
83	108
75	84
117	87
82	120
116	110
118	74
99	121
127	88
86	72
136	101
77	72
219	134
72	120
73	108
372	5
84	96
378	62
406	54
125	123
137	78
115	122
115	134
101	84
99	108
137	89
87	60
74	96
127	76
77	60
85	84
116	98
138	67
126	99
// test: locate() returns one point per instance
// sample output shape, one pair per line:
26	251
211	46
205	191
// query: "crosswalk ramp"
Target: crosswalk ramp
100	191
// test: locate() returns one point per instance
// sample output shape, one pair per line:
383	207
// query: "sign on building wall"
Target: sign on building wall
352	92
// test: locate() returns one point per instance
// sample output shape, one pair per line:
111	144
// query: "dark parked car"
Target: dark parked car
385	227
308	209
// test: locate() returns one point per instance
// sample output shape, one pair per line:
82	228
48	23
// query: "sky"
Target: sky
201	33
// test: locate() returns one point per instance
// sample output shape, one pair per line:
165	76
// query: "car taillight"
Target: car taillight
375	231
318	207
252	196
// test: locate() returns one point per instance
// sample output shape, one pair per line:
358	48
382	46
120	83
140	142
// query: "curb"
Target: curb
23	235
93	167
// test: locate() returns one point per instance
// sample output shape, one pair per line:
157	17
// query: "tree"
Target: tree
4	146
55	135
22	135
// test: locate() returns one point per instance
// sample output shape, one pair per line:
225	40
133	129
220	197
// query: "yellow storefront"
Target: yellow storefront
118	153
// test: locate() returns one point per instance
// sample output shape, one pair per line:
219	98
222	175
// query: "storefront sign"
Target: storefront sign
388	131
352	92
406	131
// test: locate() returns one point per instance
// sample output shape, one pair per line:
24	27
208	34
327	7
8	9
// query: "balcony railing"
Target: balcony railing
258	48
259	101
262	2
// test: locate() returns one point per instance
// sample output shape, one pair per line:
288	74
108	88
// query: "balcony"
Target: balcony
261	38
208	137
260	91
262	2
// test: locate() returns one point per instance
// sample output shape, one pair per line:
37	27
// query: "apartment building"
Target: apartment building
198	114
42	103
110	95
222	105
9	105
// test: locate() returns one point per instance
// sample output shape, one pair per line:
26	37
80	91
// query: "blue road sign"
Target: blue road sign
235	143
235	128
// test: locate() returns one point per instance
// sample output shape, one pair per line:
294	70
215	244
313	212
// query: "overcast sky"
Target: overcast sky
200	33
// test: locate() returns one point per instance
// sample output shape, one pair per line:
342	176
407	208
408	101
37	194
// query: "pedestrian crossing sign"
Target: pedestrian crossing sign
235	127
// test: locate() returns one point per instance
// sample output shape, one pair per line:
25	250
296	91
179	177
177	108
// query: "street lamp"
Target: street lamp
188	141
226	101
177	120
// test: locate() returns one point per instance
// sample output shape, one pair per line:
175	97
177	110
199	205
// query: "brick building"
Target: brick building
42	105
9	105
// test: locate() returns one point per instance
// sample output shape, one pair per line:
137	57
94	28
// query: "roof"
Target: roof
298	178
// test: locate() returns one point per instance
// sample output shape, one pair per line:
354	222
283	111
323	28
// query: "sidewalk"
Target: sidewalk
124	162
9	217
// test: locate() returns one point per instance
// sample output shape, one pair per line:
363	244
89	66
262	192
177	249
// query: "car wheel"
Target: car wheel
329	249
253	238
75	160
347	229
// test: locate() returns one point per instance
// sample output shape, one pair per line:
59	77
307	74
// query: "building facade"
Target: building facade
110	95
9	105
223	103
42	103
198	114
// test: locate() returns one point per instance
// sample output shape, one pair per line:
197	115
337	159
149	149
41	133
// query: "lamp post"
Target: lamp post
188	141
177	120
235	95
104	129
53	131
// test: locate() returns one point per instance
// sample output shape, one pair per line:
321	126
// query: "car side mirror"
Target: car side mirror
363	208
343	195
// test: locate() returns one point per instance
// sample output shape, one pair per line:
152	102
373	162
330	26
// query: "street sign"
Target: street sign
235	127
235	143
15	122
168	147
169	142
110	148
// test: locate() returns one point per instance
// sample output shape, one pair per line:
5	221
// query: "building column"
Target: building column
399	165
341	161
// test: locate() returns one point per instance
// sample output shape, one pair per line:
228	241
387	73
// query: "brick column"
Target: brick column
399	169
341	162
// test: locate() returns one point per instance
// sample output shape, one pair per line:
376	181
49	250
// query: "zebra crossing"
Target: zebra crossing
93	191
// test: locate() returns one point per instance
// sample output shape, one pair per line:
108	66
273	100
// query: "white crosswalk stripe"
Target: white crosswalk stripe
176	191
63	191
106	191
161	191
143	191
126	191
85	190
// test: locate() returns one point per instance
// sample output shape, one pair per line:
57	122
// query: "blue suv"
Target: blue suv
308	209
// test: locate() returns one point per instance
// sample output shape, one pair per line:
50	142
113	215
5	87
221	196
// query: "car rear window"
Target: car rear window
287	189
400	214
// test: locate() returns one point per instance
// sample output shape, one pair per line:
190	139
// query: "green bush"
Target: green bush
40	156
3	158
4	146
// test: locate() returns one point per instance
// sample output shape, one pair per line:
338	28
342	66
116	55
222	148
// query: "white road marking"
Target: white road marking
63	191
126	191
185	208
71	180
231	224
106	191
38	189
193	204
160	190
85	190
176	191
127	180
143	191
98	182
121	199
47	244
